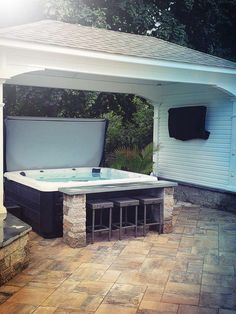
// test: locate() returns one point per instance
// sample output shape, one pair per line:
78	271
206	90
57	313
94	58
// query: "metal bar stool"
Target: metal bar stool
150	203
100	205
123	203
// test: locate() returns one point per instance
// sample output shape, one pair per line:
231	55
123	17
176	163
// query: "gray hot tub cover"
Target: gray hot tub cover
41	143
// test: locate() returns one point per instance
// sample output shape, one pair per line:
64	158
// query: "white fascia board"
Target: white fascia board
111	56
147	91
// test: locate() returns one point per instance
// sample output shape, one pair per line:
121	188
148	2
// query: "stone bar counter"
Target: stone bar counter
14	252
74	205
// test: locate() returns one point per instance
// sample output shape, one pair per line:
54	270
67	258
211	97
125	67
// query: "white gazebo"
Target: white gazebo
60	55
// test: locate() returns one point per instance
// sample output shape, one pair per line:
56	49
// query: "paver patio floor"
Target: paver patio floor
192	270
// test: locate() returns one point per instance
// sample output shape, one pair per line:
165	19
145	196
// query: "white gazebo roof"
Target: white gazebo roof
61	55
57	54
101	40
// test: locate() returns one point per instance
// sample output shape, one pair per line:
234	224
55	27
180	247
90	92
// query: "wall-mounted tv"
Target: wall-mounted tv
187	123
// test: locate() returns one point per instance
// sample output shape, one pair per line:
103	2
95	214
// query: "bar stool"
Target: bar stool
148	204
99	206
124	203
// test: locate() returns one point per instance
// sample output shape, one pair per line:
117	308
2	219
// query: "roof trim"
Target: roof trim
111	57
76	36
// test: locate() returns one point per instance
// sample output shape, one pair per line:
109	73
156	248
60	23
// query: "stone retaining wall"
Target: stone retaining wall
205	197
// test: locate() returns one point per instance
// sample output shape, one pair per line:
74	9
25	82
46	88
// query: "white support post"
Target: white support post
3	212
232	174
155	138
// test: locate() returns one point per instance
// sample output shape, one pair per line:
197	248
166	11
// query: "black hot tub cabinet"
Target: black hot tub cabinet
41	210
40	201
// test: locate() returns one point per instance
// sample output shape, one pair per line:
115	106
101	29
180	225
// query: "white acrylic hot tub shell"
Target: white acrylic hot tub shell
44	186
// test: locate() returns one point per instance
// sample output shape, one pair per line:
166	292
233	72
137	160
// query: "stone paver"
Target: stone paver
192	270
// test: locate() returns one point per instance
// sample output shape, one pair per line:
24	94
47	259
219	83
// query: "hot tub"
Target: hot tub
36	192
43	155
50	180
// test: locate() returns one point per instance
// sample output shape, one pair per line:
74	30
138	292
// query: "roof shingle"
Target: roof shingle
101	40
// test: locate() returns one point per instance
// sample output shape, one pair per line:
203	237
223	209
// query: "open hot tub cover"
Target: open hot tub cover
41	143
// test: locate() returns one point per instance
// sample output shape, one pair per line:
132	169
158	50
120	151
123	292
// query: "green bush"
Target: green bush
133	159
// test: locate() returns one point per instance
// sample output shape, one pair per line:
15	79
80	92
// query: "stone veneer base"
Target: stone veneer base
168	195
13	258
168	226
74	216
14	248
74	220
206	197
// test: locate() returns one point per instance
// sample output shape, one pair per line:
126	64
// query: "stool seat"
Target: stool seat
125	201
99	204
148	199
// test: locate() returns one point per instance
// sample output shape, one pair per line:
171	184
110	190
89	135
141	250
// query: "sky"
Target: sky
14	12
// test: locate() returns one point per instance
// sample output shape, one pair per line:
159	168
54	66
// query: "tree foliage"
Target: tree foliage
209	25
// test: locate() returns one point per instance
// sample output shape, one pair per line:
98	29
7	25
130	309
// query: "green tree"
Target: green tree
209	25
75	12
127	16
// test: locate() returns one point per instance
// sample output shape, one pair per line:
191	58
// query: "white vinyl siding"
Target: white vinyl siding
201	162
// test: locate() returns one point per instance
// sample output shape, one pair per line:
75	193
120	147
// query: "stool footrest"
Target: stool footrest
152	223
149	221
98	228
124	225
